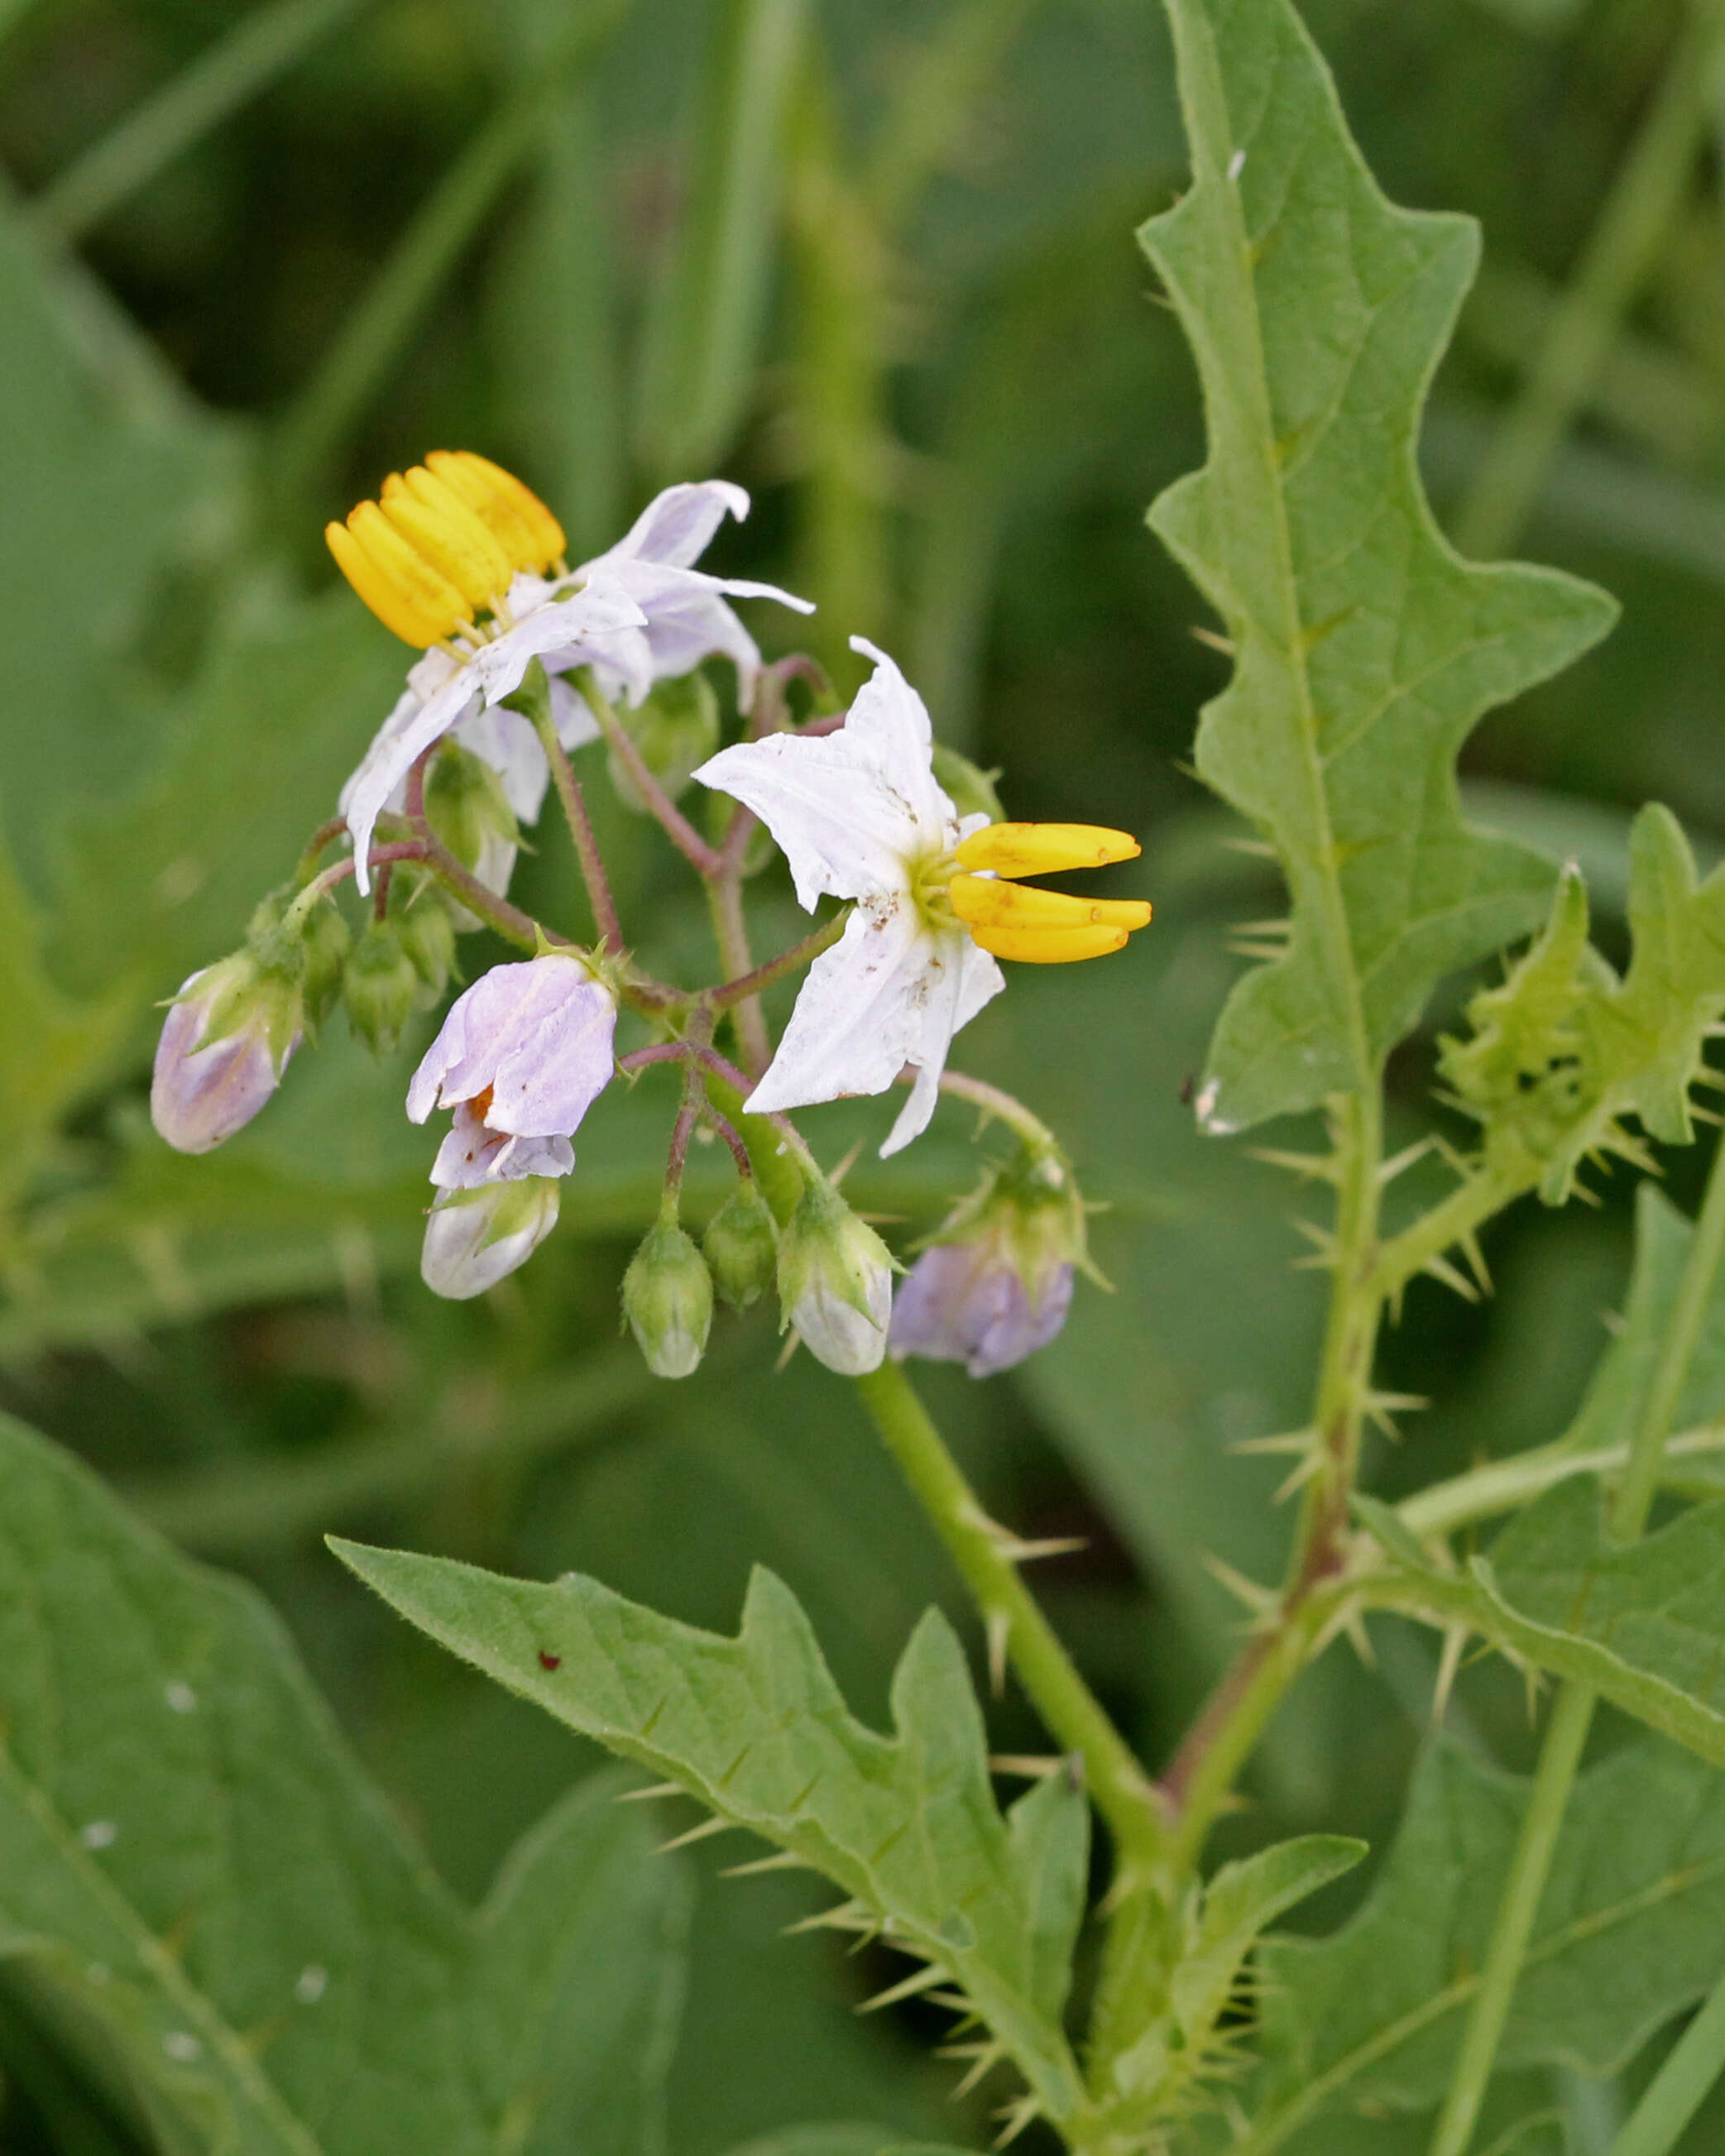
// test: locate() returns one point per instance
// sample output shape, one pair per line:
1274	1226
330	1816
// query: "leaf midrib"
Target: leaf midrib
1204	108
222	2043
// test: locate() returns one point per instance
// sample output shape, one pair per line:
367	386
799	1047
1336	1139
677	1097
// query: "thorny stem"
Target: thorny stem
702	858
1248	1693
987	1558
1572	1716
327	880
321	839
533	699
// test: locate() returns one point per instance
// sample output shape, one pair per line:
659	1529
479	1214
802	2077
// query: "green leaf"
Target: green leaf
1242	1902
206	1900
1365	649
1629	1934
1563	1049
756	1730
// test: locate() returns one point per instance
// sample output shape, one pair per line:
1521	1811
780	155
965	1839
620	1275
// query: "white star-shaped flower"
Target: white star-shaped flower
860	815
461	557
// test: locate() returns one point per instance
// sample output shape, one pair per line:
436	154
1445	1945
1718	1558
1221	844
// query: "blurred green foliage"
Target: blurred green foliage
942	368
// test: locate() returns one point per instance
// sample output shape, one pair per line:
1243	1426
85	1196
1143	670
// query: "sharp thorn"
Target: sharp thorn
653	1790
707	1828
780	1859
919	1981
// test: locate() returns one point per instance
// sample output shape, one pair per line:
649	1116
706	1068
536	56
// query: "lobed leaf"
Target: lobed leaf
755	1729
1364	647
203	1897
1629	1933
1563	1049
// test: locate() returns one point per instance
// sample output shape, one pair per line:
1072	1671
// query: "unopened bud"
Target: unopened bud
668	1301
835	1282
224	1045
676	729
465	805
426	931
328	940
996	1283
740	1247
382	988
475	1237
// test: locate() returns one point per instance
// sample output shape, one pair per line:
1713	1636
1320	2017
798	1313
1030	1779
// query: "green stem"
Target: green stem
533	699
1678	2088
1637	216
1504	1485
1559	1756
731	938
982	1552
706	860
749	985
1571	1718
1005	1108
1202	1773
197	100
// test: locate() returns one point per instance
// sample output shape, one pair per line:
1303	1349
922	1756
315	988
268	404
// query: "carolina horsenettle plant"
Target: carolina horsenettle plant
1513	1927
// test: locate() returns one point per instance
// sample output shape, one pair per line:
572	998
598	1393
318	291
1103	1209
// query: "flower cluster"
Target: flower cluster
524	661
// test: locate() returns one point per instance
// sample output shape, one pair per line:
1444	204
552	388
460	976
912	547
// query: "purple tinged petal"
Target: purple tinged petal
677	526
198	1096
473	1153
967	1302
537	1035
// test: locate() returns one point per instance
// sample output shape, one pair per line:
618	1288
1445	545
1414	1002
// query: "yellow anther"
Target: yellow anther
436	522
982	902
396	582
1050	946
516	516
1018	850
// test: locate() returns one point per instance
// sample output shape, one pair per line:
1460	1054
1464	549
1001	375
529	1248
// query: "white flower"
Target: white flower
460	557
522	1055
858	813
685	616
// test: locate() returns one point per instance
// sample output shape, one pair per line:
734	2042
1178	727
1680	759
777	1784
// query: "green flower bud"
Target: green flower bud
834	1283
967	785
740	1246
467	807
668	1301
328	940
382	988
426	930
676	729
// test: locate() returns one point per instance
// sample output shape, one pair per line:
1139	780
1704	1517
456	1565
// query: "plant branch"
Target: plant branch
533	700
983	1552
751	984
704	859
1572	1716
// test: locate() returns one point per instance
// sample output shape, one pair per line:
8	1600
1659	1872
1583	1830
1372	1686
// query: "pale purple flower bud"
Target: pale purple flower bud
200	1094
835	1283
471	1243
532	1041
969	1303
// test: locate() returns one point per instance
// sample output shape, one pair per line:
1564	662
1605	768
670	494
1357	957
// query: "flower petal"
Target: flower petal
473	1153
537	1035
400	741
677	526
506	740
462	1257
843	827
558	630
890	991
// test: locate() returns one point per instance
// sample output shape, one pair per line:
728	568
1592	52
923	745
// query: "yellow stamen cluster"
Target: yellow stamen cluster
1042	927
442	543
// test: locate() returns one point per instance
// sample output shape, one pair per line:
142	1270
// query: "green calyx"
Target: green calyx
826	1249
1031	1206
740	1247
465	804
667	1300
